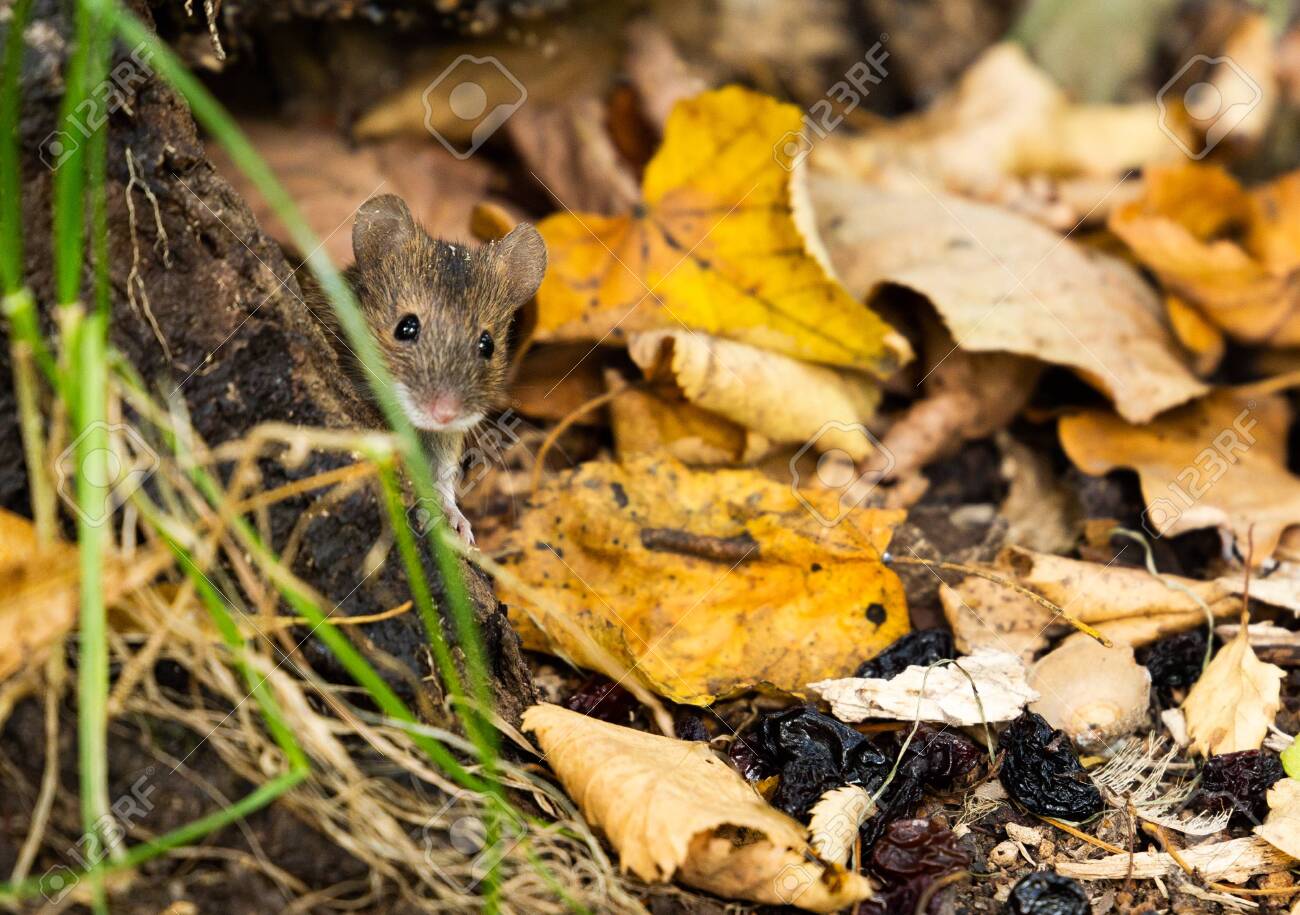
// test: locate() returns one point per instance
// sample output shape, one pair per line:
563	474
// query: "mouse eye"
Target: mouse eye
407	329
486	345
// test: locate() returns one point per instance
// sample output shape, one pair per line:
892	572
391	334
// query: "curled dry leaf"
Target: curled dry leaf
1002	283
1217	462
706	583
721	242
1281	828
1226	251
1003	121
751	387
660	419
999	693
672	808
1234	861
834	821
1232	705
1128	605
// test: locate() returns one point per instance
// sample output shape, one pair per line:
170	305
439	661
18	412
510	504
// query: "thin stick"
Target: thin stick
923	903
1080	834
890	559
539	463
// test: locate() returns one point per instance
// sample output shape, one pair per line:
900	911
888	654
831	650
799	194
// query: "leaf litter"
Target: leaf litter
758	374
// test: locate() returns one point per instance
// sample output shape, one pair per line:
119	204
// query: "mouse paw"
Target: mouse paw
459	523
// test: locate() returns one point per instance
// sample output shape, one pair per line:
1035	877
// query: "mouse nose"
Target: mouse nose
444	408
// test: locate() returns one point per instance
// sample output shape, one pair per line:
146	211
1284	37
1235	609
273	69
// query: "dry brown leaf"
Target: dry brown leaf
1234	861
967	396
672	808
330	178
1233	703
1217	462
1228	252
1003	121
1281	828
1004	284
565	145
1128	605
706	583
1042	513
39	590
753	388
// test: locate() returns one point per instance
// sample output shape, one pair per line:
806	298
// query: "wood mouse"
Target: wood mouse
440	314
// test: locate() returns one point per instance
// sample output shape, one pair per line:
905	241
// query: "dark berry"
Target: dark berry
689	724
916	848
1048	893
920	648
602	698
1042	772
1239	782
1175	661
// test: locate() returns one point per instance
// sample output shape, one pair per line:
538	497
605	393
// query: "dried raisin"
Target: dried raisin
921	647
1239	782
1048	893
602	698
1042	772
1175	661
915	848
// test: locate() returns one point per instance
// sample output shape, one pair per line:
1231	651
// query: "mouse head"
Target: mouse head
440	312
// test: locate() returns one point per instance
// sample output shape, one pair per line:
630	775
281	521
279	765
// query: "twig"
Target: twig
539	463
1080	834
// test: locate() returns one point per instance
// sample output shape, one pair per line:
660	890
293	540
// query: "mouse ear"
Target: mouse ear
382	222
520	261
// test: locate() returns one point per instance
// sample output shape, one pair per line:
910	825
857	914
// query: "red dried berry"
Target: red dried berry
1239	782
915	848
602	698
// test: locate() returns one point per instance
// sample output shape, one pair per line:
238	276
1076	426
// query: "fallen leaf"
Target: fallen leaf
1000	692
719	243
655	420
1217	462
834	820
330	178
1002	283
1003	121
751	387
707	583
1128	605
40	590
967	396
1234	861
1281	828
672	808
1226	251
1041	511
1232	705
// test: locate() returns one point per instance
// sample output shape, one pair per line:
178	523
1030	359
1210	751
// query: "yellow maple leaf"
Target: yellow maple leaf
1228	252
703	583
719	243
